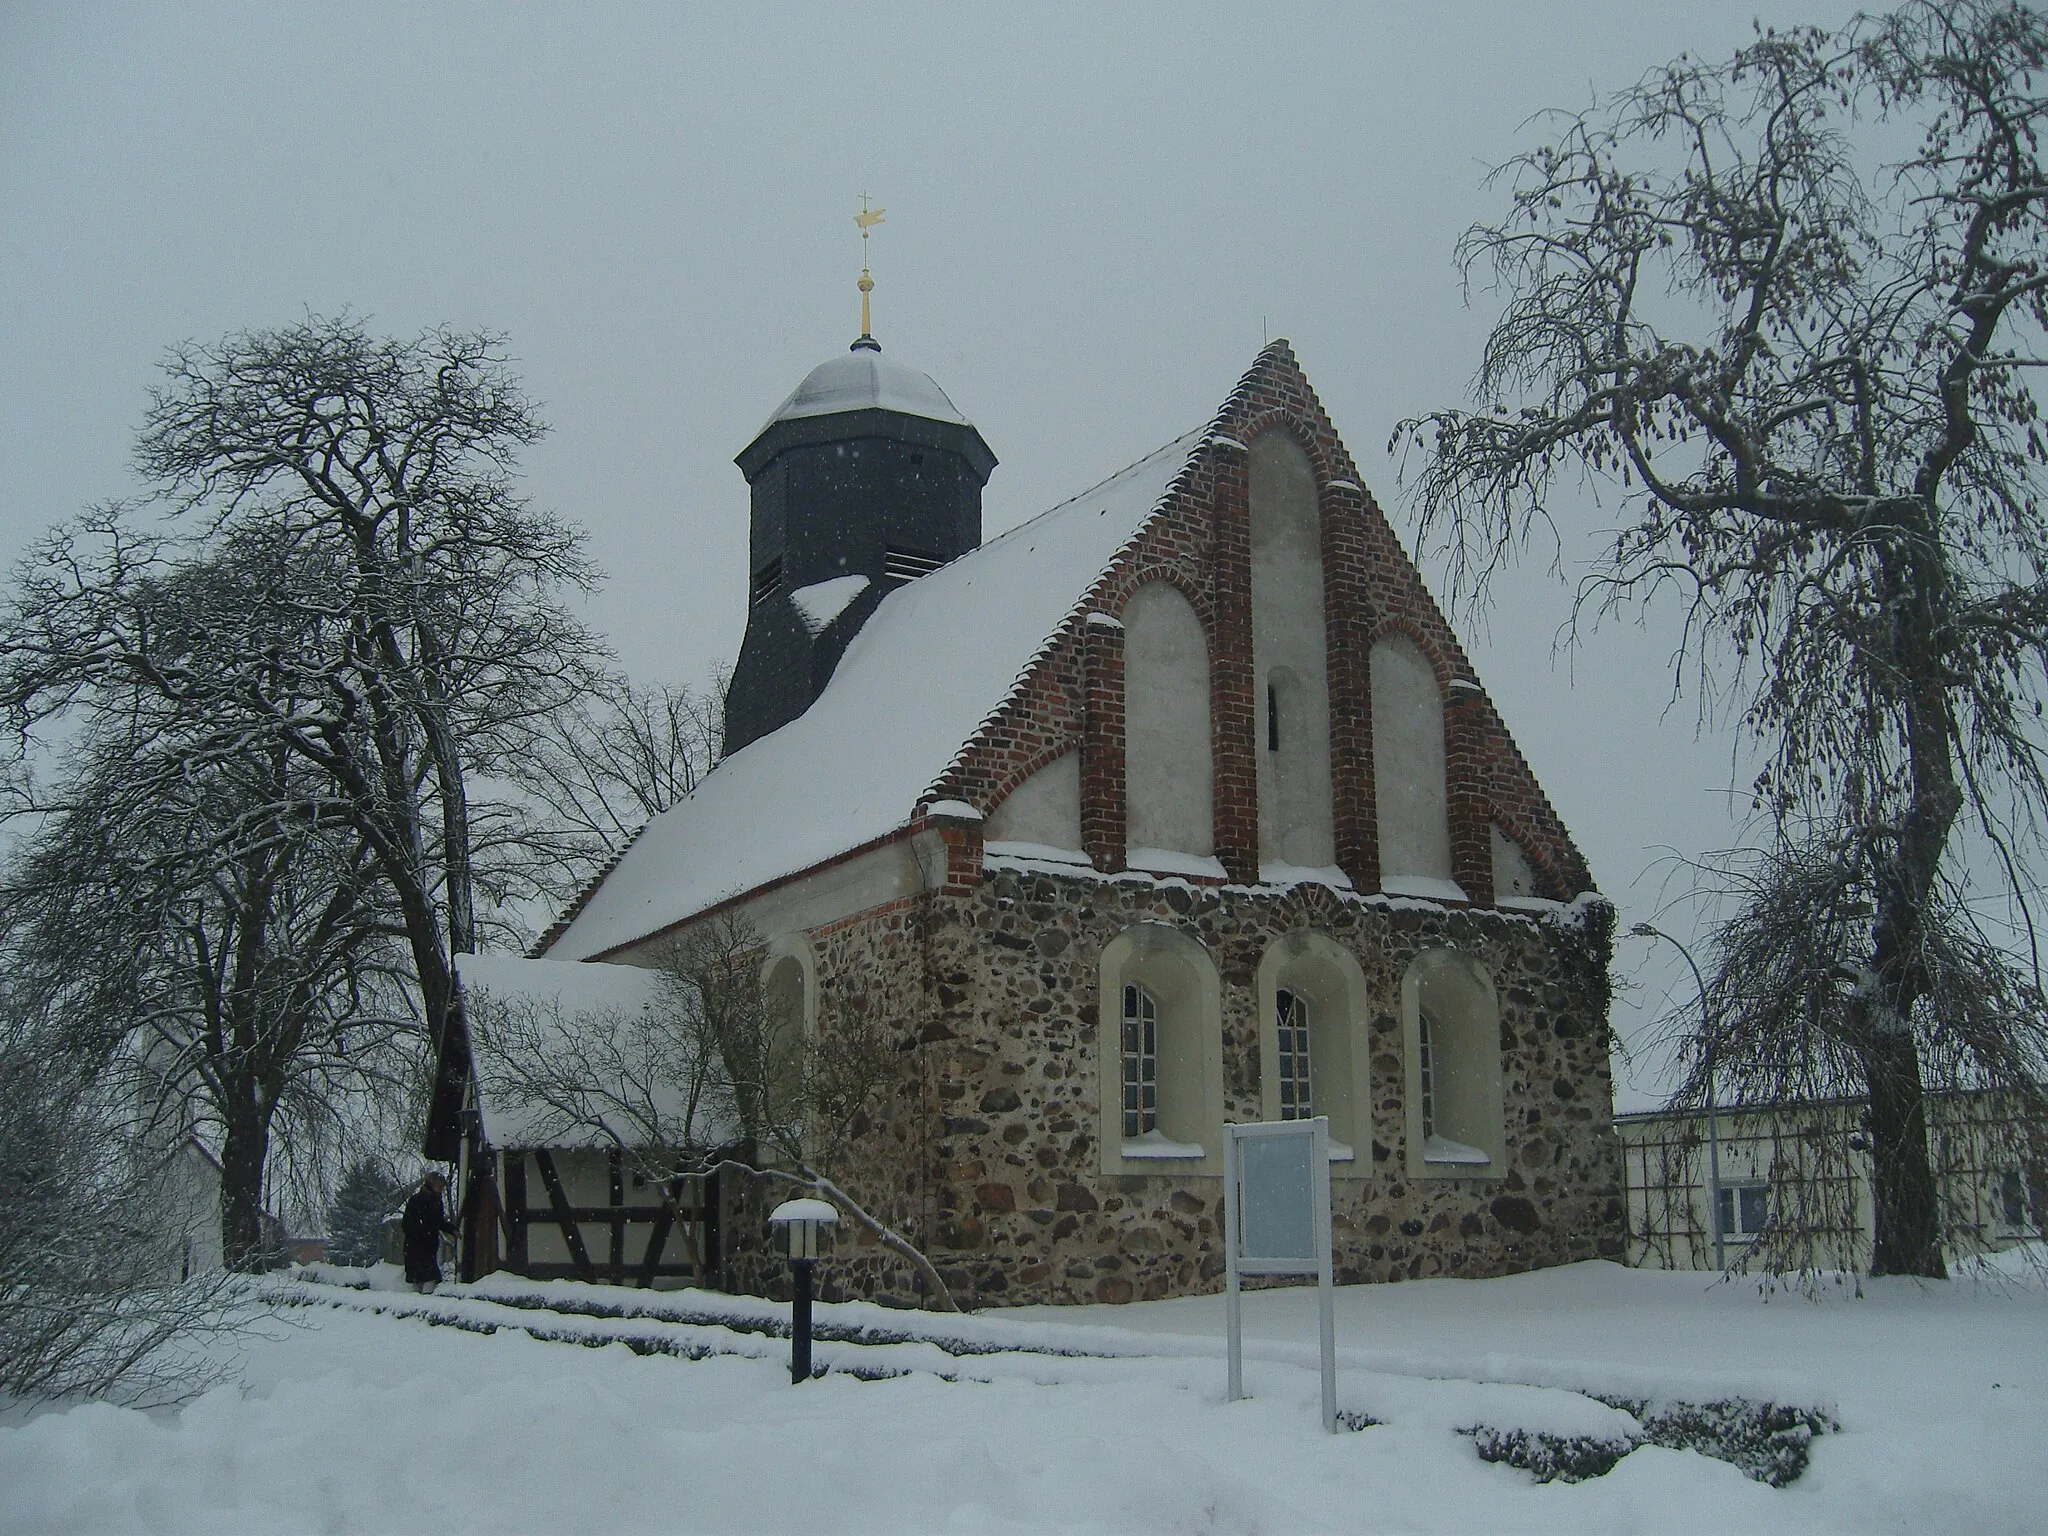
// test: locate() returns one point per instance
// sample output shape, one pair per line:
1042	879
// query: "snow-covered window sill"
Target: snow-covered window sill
1443	1150
1341	1153
1156	1147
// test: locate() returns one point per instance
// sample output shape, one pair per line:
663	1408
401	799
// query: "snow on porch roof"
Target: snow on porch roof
939	655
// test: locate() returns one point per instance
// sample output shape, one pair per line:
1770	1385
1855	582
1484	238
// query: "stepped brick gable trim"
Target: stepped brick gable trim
1070	696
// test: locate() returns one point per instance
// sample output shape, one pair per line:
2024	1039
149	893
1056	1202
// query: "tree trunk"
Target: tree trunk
1905	1202
243	1154
1906	1206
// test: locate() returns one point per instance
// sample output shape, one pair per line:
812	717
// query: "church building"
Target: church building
1177	805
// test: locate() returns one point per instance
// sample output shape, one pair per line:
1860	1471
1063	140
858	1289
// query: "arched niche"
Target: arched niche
1290	661
1309	982
1514	877
1044	811
789	995
1167	769
1450	1022
1178	977
1408	772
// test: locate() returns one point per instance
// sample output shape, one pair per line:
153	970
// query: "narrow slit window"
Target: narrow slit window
1291	1024
1272	717
1141	1062
768	580
1425	1053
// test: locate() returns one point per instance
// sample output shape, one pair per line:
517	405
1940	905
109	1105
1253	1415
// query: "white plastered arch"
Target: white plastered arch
1470	1139
1168	768
1183	977
1329	979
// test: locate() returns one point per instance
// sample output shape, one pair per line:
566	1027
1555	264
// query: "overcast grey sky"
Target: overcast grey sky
1095	217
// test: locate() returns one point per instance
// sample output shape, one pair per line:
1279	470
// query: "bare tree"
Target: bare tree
717	1063
1808	368
364	487
1781	1020
92	1301
222	950
615	759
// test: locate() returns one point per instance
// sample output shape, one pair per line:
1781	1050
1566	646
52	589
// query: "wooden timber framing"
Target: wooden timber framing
624	1257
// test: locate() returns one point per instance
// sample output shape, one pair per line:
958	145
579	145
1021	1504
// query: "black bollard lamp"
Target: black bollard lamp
800	1221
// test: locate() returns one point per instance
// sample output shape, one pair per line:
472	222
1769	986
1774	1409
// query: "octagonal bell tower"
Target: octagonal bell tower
865	478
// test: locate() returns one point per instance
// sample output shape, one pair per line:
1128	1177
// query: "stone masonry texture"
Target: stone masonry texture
986	1156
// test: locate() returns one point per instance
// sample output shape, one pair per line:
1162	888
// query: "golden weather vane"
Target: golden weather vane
865	220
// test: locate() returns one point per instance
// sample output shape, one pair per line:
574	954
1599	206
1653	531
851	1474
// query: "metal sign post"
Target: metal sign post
1276	1221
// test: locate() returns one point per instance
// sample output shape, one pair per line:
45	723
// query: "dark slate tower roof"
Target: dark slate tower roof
866	477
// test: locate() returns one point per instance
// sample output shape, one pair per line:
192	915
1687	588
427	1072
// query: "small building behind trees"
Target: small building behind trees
1794	1191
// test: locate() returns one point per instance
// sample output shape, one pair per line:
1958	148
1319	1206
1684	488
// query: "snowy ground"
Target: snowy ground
1097	1419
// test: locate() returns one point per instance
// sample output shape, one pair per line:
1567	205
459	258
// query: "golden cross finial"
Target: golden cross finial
865	220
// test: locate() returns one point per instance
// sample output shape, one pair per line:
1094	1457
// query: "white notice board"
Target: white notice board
1276	1221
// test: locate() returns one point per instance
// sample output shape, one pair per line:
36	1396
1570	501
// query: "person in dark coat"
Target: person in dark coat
425	1219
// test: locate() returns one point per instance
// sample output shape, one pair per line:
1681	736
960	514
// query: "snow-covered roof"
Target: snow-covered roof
568	1003
937	658
864	379
823	601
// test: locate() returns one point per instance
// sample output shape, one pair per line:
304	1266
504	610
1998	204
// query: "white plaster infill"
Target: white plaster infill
1155	1146
1169	861
1441	1149
1425	886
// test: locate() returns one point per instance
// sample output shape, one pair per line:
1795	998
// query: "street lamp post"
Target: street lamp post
800	1221
1646	931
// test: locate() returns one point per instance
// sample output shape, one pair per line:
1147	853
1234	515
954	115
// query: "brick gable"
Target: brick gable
1071	697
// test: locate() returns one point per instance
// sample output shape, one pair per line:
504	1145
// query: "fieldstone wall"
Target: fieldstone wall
986	1155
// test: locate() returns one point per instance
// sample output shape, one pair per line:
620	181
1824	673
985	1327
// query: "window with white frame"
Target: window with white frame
1141	1062
1742	1210
1290	1022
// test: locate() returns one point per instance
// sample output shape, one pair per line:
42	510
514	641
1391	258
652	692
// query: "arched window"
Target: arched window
1167	764
1161	1065
1408	772
1312	1043
1290	657
1452	1024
